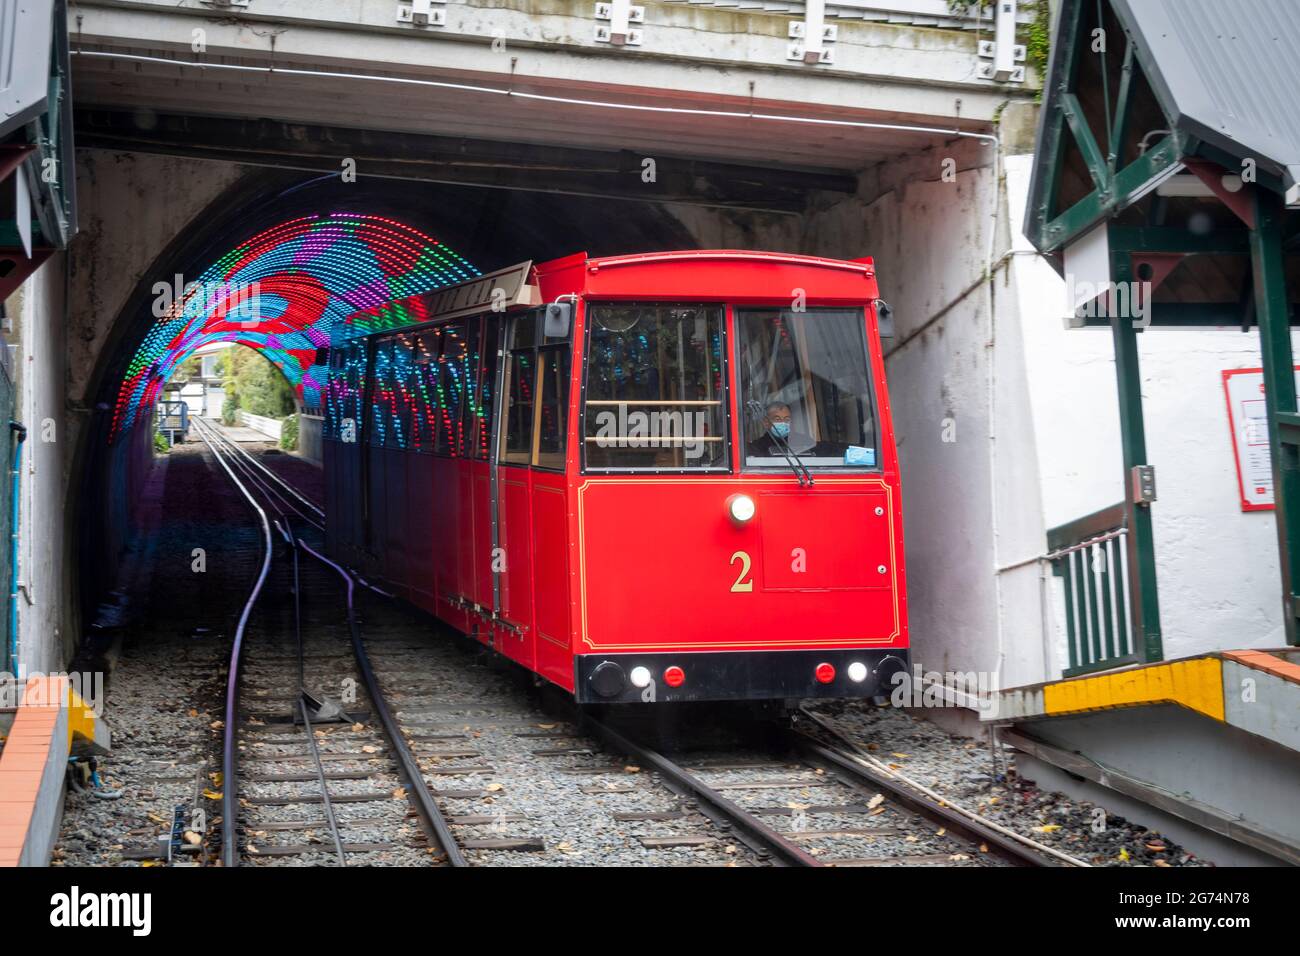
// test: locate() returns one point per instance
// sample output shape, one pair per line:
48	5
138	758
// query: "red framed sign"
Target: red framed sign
1248	423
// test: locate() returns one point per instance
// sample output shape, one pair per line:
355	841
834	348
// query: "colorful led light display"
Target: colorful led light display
289	292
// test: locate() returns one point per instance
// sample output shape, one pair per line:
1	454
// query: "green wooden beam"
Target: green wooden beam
1144	603
1264	176
1221	242
1273	315
1123	100
1288	425
1087	143
1129	184
1050	155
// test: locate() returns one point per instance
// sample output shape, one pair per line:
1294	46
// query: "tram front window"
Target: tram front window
805	388
655	388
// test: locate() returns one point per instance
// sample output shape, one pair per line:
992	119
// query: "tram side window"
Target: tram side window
401	410
537	393
380	412
485	373
553	367
656	394
521	390
453	360
423	386
806	388
343	392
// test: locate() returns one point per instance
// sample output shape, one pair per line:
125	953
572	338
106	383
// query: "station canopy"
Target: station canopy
1167	169
1159	115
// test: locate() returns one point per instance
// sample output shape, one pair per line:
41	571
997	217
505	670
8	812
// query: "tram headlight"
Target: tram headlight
741	508
640	676
857	672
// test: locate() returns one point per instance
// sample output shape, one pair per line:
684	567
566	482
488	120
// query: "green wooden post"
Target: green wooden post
1143	601
1274	320
1051	156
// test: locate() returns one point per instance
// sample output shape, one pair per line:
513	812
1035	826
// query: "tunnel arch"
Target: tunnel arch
286	292
487	227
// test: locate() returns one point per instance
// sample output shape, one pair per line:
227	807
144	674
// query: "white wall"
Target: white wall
45	614
929	237
1036	422
1217	567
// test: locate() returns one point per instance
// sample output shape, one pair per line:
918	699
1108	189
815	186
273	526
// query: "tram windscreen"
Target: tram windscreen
656	388
805	388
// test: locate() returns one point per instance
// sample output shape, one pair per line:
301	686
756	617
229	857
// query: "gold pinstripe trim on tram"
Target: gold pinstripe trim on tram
744	482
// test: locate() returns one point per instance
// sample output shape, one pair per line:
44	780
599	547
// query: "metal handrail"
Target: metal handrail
1091	557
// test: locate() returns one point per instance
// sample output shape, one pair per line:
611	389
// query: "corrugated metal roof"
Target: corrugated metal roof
25	34
1227	73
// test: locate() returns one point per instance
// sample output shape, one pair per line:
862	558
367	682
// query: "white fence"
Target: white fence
270	427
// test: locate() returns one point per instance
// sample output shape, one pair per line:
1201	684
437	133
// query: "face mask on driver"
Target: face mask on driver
780	429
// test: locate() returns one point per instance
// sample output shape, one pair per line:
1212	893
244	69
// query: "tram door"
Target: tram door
511	544
484	336
531	578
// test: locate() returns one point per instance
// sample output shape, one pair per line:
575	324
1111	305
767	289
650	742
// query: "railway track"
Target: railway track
798	800
309	747
518	778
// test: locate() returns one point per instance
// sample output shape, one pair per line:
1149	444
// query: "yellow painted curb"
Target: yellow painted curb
1196	684
81	719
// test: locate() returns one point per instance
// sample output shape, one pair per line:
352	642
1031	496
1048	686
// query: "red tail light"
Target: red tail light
674	676
825	673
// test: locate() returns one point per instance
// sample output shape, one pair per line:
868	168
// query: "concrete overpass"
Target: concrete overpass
506	129
516	129
705	79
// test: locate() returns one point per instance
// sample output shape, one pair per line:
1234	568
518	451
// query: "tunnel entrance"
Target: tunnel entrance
275	264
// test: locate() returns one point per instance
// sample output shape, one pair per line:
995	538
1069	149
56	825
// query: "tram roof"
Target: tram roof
734	275
740	276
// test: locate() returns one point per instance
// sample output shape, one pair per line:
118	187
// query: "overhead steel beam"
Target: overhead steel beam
503	165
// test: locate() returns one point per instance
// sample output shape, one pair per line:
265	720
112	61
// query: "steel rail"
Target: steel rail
431	815
327	804
256	470
319	511
230	849
229	770
849	766
750	830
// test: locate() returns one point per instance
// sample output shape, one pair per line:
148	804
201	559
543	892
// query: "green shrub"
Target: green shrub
257	386
230	411
160	443
289	433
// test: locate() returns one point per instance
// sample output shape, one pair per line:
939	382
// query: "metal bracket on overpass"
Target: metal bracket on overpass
810	35
621	15
1003	51
422	13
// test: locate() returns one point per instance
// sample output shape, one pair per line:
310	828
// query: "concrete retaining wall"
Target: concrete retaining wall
310	438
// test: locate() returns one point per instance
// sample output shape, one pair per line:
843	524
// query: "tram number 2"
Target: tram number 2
741	584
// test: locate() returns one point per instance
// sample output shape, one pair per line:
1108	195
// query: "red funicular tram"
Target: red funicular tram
652	477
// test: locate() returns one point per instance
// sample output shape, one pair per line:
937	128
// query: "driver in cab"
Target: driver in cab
777	426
